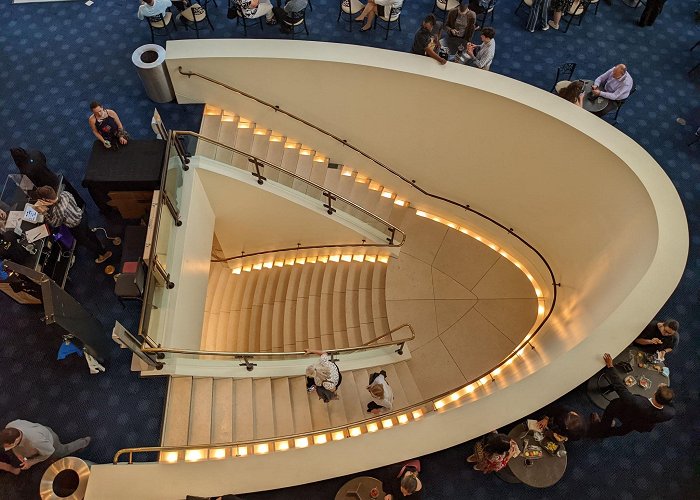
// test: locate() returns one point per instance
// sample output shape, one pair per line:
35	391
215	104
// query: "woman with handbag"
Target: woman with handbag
492	453
401	481
382	395
324	376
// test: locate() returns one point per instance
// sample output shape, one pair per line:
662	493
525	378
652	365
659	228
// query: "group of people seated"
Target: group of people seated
615	85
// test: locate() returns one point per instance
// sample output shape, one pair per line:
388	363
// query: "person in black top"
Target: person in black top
401	481
424	43
564	422
658	336
636	413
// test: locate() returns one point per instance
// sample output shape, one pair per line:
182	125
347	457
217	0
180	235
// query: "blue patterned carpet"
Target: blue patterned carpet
55	58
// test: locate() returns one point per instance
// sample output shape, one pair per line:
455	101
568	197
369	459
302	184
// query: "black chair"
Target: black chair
193	16
297	19
575	9
526	3
698	64
489	10
246	21
130	285
385	21
160	24
445	6
564	72
596	3
348	9
622	103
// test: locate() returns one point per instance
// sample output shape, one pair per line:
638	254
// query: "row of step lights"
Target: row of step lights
455	399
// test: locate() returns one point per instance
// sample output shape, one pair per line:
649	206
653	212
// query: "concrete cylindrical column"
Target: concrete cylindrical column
149	60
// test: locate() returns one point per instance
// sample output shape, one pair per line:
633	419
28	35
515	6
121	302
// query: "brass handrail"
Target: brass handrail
392	228
253	355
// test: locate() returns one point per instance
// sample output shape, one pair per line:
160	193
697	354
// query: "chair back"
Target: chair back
564	72
392	14
159	20
297	17
194	13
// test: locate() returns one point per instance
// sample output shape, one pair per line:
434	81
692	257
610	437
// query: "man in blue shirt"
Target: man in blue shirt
615	85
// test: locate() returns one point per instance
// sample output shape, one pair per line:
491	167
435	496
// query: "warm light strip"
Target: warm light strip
262	448
228	118
260	131
276	138
170	457
217	453
301	442
193	455
282	445
372	427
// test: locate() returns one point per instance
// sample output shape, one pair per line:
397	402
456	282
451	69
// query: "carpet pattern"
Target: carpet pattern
57	57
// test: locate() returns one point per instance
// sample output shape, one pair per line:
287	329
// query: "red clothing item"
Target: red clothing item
493	462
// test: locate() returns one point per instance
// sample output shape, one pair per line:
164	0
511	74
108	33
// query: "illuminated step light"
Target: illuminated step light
383	258
228	117
371	258
301	442
439	404
401	203
334	258
347	172
311	260
358	258
521	351
540	309
212	110
355	431
387	194
362	179
452	225
306	152
170	456
320	439
279	263
464	230
455	396
282	445
268	265
242	451
388	423
372	427
276	138
497	371
260	131
509	361
338	436
244	124
193	455
236	270
300	260
538	292
374	186
258	266
420	213
320	158
346	258
291	145
530	277
469	388
247	269
417	414
323	258
262	448
483	380
289	262
217	453
402	419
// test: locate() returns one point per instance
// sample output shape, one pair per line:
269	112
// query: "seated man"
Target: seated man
658	337
424	43
253	9
151	8
63	210
615	84
285	14
635	413
481	56
460	23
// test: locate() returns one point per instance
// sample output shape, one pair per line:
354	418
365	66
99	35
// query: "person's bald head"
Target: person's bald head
619	71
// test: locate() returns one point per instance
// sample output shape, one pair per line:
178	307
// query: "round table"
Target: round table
358	488
597	385
596	105
543	472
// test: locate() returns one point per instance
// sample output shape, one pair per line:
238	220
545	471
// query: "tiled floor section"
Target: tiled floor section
468	305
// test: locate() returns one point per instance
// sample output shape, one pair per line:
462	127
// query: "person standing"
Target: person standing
324	376
107	126
538	12
63	210
635	413
33	443
651	11
382	395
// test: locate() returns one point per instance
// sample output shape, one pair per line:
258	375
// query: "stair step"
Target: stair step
382	208
364	300
361	379
403	372
260	143
349	396
319	411
200	413
177	413
255	329
222	411
346	184
209	128
227	135
243	410
400	398
332	179
398	214
264	413
224	325
318	172
244	141
300	405
282	399
274	154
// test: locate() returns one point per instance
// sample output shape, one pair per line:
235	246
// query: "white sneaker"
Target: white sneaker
552	25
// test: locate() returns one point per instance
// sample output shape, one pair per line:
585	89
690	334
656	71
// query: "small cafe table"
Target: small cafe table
598	104
544	472
359	488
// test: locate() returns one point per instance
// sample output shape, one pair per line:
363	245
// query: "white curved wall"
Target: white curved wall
594	202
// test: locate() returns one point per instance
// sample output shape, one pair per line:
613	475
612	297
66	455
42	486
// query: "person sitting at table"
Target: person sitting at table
615	85
253	9
635	413
375	8
460	23
424	43
382	395
481	56
573	93
659	337
565	423
324	377
151	8
493	452
107	126
284	14
63	210
557	7
401	481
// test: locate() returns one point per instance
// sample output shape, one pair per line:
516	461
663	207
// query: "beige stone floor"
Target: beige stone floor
468	305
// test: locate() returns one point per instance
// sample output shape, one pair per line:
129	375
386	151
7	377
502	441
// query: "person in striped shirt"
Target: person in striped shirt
62	210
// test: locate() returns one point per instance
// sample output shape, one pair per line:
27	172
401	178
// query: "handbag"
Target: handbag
232	12
64	237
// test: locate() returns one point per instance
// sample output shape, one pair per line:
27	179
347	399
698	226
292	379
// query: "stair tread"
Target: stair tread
413	394
177	414
400	398
222	411
300	405
319	411
243	410
264	414
283	412
200	411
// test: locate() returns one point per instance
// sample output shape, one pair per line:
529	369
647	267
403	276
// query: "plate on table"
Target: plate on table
644	382
630	381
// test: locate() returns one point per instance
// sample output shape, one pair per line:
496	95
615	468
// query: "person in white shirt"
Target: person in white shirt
33	443
382	395
151	8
